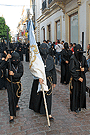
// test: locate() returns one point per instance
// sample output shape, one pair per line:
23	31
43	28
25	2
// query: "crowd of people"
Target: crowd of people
56	48
73	64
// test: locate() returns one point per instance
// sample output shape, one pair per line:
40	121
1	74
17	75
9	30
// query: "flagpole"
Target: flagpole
46	107
43	97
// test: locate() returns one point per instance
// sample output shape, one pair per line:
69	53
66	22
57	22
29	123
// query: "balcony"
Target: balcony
63	2
43	5
50	5
49	1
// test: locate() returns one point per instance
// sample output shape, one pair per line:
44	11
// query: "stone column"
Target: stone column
66	28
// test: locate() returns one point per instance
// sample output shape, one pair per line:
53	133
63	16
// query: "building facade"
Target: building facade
22	35
68	20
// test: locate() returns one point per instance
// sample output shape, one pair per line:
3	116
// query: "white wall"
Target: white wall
38	11
82	22
51	20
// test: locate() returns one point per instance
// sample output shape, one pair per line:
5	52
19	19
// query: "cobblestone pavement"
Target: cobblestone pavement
28	122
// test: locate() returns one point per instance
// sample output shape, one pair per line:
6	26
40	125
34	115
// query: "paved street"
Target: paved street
28	122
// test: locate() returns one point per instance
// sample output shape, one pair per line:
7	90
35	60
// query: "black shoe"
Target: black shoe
65	83
51	118
77	111
17	108
12	120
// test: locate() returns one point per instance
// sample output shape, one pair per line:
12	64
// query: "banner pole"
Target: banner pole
46	107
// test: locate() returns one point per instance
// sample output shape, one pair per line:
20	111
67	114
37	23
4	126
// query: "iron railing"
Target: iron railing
49	1
43	5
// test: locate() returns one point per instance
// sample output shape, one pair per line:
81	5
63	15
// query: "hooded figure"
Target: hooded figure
66	47
78	68
16	72
52	51
65	61
36	99
27	53
1	52
1	48
78	52
44	50
1	70
15	58
20	51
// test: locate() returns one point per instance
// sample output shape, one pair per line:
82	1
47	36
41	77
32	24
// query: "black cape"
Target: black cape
2	72
20	51
65	74
36	99
13	94
27	53
77	89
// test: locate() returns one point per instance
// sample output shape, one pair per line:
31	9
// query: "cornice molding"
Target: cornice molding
43	18
62	6
72	11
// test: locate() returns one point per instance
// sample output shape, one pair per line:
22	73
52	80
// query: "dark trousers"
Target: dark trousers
58	58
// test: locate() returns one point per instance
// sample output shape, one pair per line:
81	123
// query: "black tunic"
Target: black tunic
52	51
20	51
13	94
27	53
65	74
77	88
2	78
36	99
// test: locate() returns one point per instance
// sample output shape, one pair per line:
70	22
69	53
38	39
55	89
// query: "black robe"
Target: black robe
2	79
52	52
77	88
36	99
65	74
4	75
27	53
13	95
20	51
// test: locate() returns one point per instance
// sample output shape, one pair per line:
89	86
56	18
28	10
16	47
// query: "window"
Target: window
58	29
43	33
43	4
74	28
49	1
49	32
